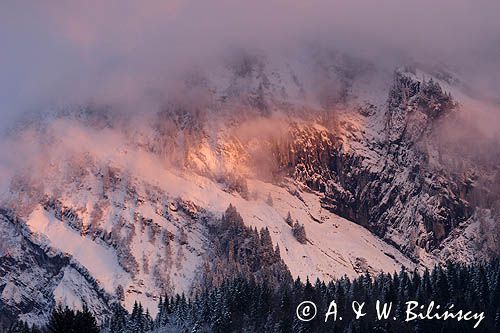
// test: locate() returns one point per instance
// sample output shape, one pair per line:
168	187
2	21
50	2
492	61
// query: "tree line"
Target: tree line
248	288
245	305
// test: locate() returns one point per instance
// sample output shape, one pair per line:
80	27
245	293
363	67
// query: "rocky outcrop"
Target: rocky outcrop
394	191
30	276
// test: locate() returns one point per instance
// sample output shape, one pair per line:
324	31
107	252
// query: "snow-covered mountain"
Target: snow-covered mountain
109	207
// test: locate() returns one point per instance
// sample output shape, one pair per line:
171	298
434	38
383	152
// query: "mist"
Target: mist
130	54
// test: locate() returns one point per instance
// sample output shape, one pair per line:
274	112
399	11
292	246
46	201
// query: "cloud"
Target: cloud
130	55
127	53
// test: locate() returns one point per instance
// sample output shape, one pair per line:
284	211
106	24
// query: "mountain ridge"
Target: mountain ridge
129	200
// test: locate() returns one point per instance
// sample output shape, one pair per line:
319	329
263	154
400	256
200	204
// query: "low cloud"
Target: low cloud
129	53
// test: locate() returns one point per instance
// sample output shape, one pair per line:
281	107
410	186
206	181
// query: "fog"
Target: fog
129	53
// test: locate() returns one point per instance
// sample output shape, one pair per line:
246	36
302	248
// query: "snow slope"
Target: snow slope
336	246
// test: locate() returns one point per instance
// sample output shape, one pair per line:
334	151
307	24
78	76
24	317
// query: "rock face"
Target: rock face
31	276
390	184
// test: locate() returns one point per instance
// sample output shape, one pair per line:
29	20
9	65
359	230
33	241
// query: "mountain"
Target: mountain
345	167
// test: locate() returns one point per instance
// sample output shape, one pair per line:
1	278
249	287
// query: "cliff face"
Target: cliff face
32	276
390	183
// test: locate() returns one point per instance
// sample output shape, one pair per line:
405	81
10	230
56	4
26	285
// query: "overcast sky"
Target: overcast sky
55	52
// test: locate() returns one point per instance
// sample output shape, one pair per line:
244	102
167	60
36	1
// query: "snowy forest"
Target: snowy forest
244	305
248	288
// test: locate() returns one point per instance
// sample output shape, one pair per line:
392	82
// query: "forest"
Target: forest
244	305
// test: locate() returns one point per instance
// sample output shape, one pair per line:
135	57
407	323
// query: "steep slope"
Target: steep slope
34	277
142	235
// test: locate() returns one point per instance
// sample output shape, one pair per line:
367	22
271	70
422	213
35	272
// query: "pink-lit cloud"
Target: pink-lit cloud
118	52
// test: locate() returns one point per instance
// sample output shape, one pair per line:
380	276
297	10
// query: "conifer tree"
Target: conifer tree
289	219
299	232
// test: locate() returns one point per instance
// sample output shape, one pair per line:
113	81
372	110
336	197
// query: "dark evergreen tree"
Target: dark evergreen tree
299	232
289	219
66	320
118	321
84	321
61	320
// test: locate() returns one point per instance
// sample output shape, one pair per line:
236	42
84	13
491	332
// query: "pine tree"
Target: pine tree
118	321
148	321
299	232
133	322
61	320
289	219
67	320
84	321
